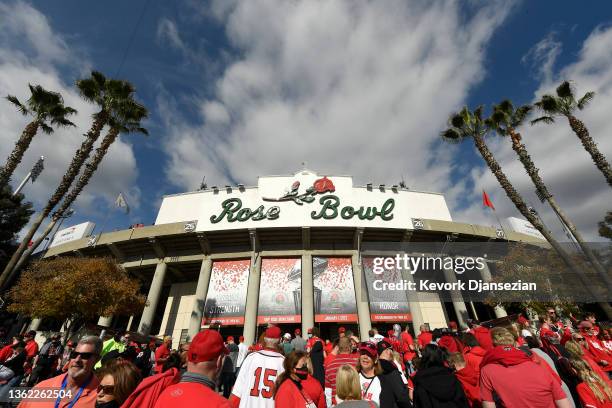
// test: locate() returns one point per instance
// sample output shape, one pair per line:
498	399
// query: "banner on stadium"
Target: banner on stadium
385	305
334	292
280	291
227	290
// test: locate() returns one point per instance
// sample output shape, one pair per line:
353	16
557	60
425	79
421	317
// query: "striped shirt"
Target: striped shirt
332	369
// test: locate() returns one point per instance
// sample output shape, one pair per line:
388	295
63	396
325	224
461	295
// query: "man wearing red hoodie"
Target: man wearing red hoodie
197	386
515	379
468	377
472	352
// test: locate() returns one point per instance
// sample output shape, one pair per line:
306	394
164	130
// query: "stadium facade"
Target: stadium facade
286	251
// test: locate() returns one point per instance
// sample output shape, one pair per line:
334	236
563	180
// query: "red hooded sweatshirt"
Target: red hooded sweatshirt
149	390
483	335
588	398
469	378
451	343
473	357
598	352
290	396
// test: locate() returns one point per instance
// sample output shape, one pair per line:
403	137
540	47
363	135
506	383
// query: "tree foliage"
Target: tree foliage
76	289
557	284
605	226
14	215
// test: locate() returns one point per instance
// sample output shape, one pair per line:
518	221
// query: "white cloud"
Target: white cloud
350	87
32	52
542	57
565	166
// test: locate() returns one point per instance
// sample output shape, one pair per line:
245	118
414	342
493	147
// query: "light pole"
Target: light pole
33	174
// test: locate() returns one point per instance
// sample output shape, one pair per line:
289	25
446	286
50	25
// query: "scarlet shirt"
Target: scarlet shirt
289	396
6	352
521	385
188	394
473	357
424	338
31	349
332	369
588	398
313	388
161	352
407	341
311	341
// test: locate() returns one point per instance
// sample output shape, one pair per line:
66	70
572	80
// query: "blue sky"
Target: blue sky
229	82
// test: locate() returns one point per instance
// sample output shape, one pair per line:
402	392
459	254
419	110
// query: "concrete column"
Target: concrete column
473	308
152	298
35	324
250	314
486	276
195	321
129	323
413	303
362	299
457	299
105	321
307	294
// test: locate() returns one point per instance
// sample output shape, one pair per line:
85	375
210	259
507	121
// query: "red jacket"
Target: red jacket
598	352
451	343
289	396
149	390
424	338
6	352
407	341
483	336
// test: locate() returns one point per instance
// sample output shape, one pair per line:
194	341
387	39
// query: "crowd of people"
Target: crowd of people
549	363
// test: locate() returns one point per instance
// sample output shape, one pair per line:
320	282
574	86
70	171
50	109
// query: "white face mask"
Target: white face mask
309	335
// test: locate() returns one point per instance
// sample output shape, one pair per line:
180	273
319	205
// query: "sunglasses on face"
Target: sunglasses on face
106	389
579	338
84	356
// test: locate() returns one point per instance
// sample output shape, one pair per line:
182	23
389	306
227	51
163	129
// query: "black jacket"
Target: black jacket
393	393
437	387
316	356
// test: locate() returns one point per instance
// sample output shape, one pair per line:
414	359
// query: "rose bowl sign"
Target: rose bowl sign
304	199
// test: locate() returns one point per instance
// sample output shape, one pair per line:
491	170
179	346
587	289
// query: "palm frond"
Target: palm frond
545	119
565	90
99	78
451	135
62	121
478	112
46	128
506	106
457	120
549	104
21	107
585	100
520	114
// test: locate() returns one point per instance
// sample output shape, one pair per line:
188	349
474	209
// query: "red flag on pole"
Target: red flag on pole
486	201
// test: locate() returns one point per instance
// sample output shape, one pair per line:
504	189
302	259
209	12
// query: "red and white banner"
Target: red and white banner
227	290
385	305
334	290
280	299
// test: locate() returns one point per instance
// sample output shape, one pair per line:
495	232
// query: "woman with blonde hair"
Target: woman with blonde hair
594	391
348	389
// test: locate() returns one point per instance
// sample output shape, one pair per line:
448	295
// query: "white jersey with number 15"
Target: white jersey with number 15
255	383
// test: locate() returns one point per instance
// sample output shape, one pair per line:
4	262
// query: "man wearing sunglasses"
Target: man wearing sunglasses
78	385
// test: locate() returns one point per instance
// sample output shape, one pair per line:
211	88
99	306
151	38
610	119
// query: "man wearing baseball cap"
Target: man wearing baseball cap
197	386
254	387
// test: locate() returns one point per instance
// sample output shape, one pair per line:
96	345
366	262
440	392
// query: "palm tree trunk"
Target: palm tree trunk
590	146
543	192
516	198
73	170
18	151
90	169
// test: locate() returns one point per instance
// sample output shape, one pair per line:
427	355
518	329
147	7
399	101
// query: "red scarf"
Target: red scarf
504	355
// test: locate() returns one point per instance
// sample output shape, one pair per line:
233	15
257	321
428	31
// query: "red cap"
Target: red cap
522	319
273	333
241	338
341	329
297	332
230	338
452	324
207	345
369	349
310	330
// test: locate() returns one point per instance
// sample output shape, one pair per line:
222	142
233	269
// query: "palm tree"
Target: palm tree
111	96
565	104
47	109
125	120
504	121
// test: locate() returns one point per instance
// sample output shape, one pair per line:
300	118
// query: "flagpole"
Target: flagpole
487	203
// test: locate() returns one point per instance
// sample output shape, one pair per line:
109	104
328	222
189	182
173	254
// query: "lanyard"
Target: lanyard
76	397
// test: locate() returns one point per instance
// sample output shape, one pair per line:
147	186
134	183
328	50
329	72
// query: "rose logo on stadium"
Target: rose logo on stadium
320	186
